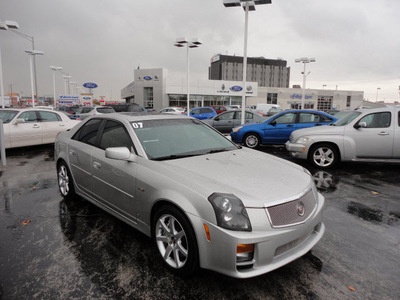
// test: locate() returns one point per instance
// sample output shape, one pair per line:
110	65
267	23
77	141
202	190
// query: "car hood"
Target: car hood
258	179
326	129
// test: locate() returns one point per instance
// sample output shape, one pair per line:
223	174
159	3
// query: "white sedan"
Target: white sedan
30	126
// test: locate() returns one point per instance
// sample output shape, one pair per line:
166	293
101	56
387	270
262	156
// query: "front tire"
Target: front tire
175	241
65	181
252	140
324	156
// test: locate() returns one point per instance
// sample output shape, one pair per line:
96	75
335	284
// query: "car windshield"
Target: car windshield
7	115
345	117
173	138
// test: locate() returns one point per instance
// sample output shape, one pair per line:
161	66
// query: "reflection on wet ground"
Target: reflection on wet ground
57	249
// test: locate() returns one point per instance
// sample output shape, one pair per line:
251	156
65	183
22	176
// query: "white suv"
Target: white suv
369	135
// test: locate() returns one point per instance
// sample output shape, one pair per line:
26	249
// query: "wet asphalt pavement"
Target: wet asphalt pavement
54	249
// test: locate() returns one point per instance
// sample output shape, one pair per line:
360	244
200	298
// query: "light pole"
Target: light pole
32	53
377	91
194	43
73	90
5	26
54	69
304	60
248	5
67	78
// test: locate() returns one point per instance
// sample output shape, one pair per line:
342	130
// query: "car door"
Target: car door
247	120
79	153
279	128
114	180
396	145
376	139
27	133
224	122
51	124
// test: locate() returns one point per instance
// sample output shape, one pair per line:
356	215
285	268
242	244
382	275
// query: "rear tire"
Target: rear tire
175	240
323	156
65	181
252	140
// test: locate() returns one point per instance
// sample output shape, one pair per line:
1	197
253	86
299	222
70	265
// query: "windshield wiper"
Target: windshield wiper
175	156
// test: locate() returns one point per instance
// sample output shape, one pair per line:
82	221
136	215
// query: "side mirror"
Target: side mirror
19	121
119	153
216	119
360	125
273	123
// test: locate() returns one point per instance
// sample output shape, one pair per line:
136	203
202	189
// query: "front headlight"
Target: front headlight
236	129
302	140
230	212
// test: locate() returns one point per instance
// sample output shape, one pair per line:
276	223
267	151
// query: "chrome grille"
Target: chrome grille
289	213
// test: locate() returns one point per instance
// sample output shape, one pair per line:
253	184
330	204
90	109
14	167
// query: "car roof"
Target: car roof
134	116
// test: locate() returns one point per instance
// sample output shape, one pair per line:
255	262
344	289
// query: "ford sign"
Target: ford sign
236	88
90	85
147	78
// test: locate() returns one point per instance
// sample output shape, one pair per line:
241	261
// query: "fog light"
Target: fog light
244	252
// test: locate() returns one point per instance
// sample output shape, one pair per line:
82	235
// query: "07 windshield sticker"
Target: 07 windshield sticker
137	125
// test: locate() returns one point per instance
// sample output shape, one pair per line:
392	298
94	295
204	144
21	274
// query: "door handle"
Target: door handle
36	126
289	125
97	165
383	133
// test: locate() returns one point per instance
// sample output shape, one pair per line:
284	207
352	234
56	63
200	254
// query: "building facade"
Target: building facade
152	88
266	72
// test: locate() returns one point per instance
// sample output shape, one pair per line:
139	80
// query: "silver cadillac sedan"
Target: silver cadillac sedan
205	201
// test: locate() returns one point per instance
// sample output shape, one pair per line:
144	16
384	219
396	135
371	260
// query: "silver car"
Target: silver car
205	201
228	120
88	111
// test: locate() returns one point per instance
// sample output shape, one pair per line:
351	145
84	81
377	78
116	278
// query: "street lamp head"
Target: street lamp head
3	26
56	68
12	24
250	3
34	52
179	45
181	40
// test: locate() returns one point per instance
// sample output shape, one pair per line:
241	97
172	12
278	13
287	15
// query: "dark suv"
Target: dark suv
127	107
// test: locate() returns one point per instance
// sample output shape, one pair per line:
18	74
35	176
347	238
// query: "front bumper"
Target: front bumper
273	248
297	150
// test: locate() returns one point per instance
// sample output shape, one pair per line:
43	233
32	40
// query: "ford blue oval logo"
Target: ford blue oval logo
236	88
147	78
90	85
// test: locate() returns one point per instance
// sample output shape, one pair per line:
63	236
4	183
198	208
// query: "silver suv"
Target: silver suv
367	134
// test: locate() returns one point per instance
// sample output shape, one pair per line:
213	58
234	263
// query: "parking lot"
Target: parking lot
54	249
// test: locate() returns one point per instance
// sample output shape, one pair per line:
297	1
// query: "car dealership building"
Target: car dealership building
153	88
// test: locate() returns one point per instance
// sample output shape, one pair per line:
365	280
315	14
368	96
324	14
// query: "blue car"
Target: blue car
202	113
277	129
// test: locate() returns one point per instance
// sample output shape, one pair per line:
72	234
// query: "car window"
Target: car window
288	118
88	132
309	118
226	116
29	116
105	110
86	110
115	135
377	120
49	116
7	115
195	112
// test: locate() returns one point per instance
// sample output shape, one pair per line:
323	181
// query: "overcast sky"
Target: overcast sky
356	43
